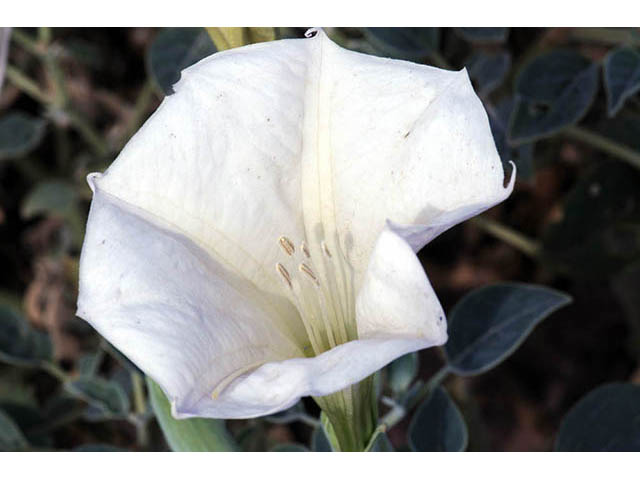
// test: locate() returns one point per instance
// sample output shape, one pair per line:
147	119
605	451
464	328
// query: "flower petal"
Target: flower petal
220	158
397	312
186	320
409	142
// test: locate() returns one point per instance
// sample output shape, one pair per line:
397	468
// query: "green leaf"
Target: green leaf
599	233
319	440
488	70
553	91
103	394
404	43
621	77
290	447
11	438
380	443
55	197
483	35
20	133
522	155
402	372
606	420
490	323
437	425
192	434
173	50
19	343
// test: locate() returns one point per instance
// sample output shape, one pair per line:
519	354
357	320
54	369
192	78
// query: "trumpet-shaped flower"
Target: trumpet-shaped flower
255	241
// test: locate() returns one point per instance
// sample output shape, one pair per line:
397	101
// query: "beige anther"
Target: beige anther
325	249
305	250
287	245
283	272
304	268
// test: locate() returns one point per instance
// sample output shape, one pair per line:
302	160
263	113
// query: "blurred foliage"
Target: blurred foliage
563	105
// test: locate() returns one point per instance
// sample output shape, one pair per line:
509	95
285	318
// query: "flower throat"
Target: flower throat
320	283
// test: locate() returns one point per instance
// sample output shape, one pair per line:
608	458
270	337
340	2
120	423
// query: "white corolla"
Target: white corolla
255	241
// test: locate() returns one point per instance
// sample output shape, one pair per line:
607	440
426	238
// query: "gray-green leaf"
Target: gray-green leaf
11	438
20	133
19	343
490	323
404	43
553	91
488	70
606	420
100	393
175	49
484	35
438	426
402	372
621	77
192	434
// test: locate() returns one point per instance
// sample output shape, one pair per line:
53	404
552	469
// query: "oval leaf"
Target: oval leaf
489	324
606	420
19	343
483	35
554	91
488	70
621	77
438	426
189	435
20	133
404	43
320	441
380	443
402	372
522	156
103	394
55	197
175	49
11	438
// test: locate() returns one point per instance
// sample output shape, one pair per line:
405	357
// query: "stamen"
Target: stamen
305	269
305	250
325	249
284	273
287	245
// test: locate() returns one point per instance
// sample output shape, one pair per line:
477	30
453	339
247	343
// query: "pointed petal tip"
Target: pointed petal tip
312	32
512	180
91	180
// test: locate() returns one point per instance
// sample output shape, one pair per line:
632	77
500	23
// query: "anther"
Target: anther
325	249
305	250
283	272
287	245
304	268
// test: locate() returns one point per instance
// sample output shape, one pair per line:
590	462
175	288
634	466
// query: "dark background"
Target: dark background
572	223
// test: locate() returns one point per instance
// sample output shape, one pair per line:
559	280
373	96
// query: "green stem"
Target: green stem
140	408
55	371
27	43
26	85
86	131
508	235
604	144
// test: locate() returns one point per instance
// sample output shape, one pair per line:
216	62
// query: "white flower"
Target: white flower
255	241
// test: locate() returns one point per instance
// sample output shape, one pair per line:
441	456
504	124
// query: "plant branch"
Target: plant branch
604	144
26	85
508	235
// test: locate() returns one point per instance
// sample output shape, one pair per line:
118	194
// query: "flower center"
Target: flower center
321	287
